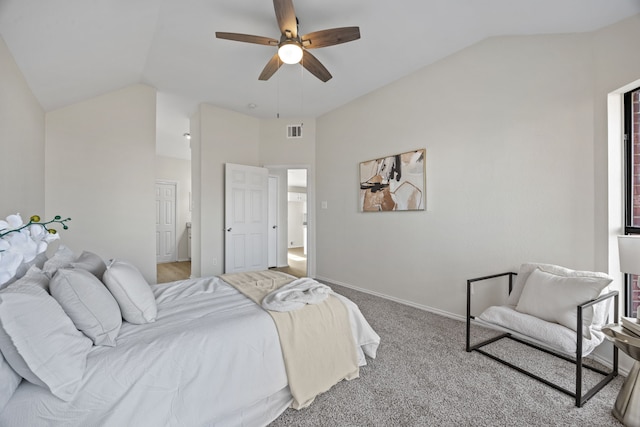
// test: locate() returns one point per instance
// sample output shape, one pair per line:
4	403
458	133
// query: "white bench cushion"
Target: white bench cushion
550	335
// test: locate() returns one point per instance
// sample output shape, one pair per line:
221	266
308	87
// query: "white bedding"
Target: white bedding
211	358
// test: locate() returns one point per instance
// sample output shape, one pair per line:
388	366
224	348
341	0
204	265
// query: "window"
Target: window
632	188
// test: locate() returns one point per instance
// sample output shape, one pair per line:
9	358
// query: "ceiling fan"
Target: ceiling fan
293	48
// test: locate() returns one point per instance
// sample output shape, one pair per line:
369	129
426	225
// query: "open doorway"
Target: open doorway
292	241
297	221
173	232
173	165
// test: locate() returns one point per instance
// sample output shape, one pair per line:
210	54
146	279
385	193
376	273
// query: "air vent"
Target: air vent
294	131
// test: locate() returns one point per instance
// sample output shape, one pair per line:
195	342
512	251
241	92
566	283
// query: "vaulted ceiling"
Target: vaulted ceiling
71	50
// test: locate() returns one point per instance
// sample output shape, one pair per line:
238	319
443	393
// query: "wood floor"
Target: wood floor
172	271
297	263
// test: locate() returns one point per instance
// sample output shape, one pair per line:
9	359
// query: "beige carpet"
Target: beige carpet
424	377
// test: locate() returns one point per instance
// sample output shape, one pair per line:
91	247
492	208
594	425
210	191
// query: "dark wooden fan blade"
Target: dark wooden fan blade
315	67
247	38
286	16
330	37
271	67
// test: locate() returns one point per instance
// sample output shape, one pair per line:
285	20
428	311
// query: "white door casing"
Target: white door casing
246	218
165	222
273	221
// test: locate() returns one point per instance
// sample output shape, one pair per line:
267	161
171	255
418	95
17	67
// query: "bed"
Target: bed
210	357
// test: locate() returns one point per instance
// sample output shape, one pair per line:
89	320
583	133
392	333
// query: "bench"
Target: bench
552	309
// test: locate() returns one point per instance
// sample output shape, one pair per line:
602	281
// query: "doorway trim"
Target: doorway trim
274	220
311	211
174	256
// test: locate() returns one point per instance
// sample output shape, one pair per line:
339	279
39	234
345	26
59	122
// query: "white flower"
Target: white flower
42	237
12	222
21	243
50	237
37	231
9	263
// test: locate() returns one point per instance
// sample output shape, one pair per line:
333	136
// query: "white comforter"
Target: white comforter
211	358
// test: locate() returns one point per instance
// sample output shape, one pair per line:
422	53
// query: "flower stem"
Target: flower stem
35	220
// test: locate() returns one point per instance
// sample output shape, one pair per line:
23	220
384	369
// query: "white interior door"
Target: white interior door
246	218
165	222
273	221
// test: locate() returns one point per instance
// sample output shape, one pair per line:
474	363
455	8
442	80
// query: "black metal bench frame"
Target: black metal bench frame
580	398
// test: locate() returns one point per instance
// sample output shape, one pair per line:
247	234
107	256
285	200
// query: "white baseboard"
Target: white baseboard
623	370
398	300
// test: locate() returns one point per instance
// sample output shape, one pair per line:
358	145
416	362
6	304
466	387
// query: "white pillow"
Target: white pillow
34	276
63	257
40	342
131	290
527	268
37	262
10	379
9	382
88	303
90	262
554	298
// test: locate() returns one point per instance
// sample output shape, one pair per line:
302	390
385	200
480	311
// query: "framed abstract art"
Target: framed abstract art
394	183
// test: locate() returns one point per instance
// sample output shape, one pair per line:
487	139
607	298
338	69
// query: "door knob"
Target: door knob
275	226
229	229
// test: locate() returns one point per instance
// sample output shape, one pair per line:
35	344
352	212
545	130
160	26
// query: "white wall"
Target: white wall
297	210
277	149
21	143
282	259
218	136
179	171
100	171
279	153
508	128
196	195
295	227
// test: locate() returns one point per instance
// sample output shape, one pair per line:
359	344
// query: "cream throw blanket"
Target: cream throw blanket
316	340
294	295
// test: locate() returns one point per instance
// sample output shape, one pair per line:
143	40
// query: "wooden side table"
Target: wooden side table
627	407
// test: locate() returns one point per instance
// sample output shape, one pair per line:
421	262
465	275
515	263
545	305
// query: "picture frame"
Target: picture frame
394	183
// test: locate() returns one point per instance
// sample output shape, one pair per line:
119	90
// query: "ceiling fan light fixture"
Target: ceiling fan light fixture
292	47
290	52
